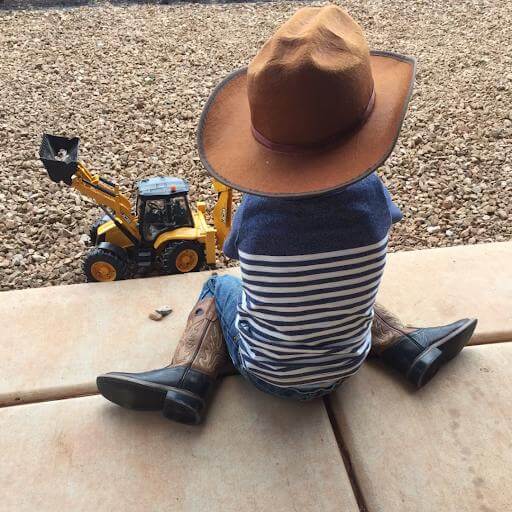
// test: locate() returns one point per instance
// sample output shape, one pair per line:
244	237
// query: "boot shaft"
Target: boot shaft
202	347
387	329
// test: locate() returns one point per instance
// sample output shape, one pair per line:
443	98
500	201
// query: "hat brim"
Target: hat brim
232	155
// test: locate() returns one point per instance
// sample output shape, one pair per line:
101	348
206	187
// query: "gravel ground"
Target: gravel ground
130	80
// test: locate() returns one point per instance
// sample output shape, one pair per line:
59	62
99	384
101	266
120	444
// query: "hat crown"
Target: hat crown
312	79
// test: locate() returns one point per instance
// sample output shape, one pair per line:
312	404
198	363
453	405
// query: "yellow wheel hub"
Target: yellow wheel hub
103	271
187	260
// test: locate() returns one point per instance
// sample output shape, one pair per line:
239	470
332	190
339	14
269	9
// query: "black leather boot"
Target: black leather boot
417	353
180	390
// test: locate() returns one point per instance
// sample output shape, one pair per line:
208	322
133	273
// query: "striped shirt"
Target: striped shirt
305	315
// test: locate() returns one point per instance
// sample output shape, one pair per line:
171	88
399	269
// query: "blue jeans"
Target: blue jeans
227	291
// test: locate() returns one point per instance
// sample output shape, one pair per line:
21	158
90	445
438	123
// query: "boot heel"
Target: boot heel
183	407
425	367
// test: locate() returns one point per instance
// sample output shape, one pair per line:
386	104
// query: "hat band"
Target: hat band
316	146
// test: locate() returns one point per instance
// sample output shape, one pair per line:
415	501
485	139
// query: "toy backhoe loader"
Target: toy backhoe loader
161	232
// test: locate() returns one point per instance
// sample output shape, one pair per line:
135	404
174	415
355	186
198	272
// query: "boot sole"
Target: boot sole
176	404
427	364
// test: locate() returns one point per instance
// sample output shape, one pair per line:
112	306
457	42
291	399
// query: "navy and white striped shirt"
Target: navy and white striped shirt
311	269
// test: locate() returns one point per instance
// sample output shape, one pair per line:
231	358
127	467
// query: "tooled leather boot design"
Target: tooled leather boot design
417	353
180	390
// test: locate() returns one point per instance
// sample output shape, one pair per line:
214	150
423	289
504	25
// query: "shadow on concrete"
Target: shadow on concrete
18	5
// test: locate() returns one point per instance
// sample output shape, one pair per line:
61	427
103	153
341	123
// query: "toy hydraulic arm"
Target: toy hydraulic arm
222	212
106	194
60	158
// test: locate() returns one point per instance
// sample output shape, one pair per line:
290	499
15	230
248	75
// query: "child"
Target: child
301	132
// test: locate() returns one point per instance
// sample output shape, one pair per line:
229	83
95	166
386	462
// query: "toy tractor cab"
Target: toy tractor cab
161	232
162	205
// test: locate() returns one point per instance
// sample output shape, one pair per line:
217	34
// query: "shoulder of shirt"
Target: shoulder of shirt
354	217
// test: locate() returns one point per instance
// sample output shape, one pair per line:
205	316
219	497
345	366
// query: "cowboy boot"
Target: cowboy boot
417	353
181	389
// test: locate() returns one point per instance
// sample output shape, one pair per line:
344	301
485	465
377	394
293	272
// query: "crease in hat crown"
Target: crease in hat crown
312	79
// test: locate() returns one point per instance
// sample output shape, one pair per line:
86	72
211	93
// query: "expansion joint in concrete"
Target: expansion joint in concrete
345	456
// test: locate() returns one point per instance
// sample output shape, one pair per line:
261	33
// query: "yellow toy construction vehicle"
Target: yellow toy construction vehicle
162	232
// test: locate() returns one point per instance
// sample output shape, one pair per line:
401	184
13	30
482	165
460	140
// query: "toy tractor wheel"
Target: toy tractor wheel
182	257
101	265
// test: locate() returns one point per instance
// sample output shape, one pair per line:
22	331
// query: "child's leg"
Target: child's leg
227	291
182	389
417	353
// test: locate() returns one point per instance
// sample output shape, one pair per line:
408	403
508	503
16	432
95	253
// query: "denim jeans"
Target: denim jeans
227	291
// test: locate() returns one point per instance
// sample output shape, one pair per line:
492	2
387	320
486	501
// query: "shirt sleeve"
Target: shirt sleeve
230	247
395	212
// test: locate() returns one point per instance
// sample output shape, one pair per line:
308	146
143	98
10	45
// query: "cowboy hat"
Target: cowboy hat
314	111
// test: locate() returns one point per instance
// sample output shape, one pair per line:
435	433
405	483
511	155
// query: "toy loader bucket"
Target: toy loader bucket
59	156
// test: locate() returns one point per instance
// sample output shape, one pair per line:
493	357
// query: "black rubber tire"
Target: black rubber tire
168	256
93	231
96	255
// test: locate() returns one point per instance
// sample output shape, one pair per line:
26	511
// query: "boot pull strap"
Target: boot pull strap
204	309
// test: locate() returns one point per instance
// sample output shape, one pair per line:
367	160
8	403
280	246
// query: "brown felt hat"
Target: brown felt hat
314	111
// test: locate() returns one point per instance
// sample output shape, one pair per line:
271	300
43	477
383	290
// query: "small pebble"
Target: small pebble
164	310
154	315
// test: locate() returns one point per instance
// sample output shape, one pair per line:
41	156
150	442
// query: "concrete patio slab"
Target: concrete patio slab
254	453
437	286
57	340
446	447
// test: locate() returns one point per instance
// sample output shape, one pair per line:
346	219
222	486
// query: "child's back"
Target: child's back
311	268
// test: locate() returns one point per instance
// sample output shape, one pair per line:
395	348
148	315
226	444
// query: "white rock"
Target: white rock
17	259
